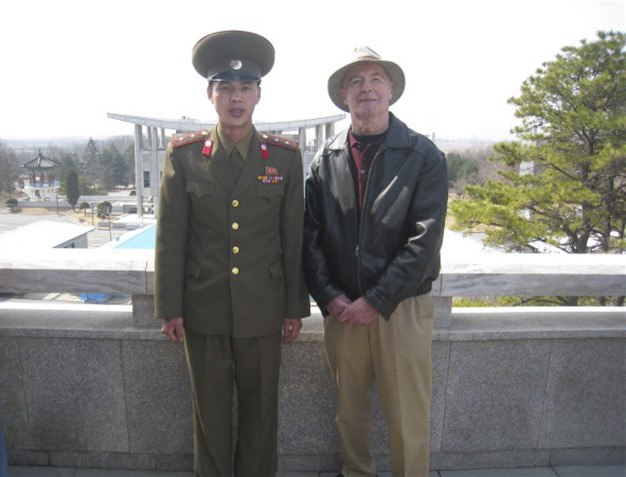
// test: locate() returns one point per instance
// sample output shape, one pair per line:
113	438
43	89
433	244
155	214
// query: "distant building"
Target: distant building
46	234
41	183
150	147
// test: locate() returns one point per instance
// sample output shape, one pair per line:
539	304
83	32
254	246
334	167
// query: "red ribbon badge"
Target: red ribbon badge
265	153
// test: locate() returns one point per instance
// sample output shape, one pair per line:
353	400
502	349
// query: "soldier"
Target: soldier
228	273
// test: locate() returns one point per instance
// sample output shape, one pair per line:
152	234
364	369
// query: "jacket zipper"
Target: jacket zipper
357	263
357	266
360	226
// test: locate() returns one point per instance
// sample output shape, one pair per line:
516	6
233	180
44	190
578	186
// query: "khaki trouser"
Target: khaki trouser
396	354
253	364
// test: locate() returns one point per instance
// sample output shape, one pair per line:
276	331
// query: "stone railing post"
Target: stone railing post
443	311
143	311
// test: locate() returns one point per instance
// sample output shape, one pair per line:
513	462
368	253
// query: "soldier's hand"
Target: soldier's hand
291	329
173	329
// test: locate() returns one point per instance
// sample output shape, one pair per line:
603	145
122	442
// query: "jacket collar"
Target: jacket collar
397	136
252	166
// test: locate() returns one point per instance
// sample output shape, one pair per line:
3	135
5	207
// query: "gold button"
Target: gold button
235	203
235	250
235	271
235	226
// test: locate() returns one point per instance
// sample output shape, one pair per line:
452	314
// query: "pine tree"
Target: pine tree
572	195
573	133
90	164
72	189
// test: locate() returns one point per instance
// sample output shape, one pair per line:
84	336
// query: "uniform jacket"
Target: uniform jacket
391	251
228	253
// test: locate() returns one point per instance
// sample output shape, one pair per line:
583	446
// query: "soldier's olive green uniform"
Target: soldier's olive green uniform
228	260
229	250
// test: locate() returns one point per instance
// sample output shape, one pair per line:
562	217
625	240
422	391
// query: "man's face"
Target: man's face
234	101
367	90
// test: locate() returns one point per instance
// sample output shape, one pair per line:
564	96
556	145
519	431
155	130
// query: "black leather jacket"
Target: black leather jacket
391	251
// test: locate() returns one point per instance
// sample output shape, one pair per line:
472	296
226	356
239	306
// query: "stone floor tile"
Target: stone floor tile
22	471
299	474
131	473
513	472
598	471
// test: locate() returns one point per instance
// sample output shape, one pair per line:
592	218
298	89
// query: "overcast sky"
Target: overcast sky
65	64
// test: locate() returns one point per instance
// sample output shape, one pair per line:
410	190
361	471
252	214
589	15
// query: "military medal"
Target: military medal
270	179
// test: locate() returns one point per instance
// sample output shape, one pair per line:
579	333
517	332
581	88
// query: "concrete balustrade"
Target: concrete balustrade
99	386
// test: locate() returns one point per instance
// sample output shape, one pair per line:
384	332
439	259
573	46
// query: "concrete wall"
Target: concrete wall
99	386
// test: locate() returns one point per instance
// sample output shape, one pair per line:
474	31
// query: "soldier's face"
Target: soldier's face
234	101
367	90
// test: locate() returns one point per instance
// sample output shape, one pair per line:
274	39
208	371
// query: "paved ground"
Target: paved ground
565	471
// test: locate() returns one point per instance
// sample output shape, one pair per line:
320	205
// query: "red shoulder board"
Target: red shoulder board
280	141
189	138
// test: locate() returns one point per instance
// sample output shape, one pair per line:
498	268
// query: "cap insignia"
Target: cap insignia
236	64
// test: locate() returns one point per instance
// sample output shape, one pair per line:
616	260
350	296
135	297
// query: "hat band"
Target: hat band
234	76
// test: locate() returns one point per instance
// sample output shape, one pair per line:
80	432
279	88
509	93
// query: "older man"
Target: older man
376	201
228	278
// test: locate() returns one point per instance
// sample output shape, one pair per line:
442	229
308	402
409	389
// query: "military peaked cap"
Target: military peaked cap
233	55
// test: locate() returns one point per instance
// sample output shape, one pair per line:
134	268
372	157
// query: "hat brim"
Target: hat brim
213	48
393	70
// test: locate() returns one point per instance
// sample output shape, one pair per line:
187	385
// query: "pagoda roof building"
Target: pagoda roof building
41	162
41	183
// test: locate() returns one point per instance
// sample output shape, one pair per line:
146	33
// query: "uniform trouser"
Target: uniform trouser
396	354
215	364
